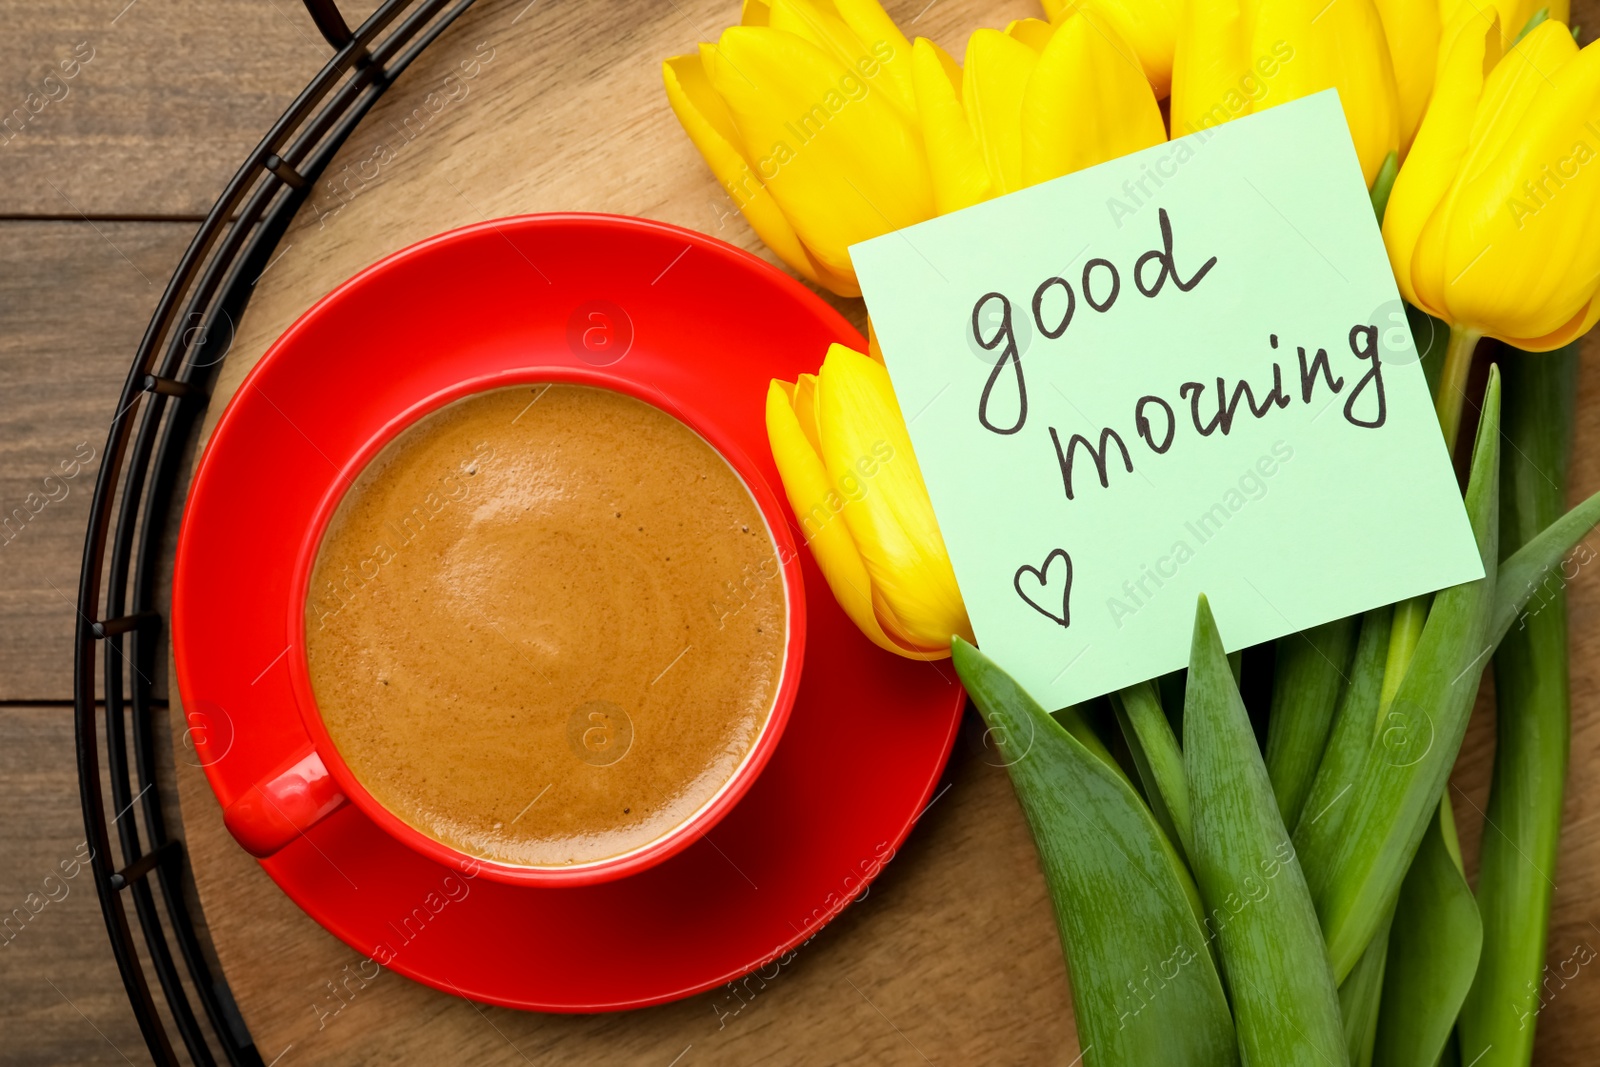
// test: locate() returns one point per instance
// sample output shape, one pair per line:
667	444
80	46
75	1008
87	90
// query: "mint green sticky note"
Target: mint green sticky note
1059	352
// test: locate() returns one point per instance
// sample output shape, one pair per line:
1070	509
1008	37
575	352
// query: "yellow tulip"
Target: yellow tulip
1031	104
852	479
1238	57
994	78
807	115
1031	32
1087	101
1513	14
1494	221
1412	28
1149	26
955	159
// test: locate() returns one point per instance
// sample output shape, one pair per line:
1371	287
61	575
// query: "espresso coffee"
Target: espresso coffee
546	624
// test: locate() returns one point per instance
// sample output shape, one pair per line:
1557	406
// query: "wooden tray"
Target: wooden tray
952	957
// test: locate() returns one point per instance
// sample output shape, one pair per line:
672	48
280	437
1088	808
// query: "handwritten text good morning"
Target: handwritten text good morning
1083	394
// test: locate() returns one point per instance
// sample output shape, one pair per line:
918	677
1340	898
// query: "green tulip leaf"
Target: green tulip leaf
1525	571
1159	759
1286	1007
1144	988
1355	875
1433	954
1310	673
1540	16
1355	726
1361	995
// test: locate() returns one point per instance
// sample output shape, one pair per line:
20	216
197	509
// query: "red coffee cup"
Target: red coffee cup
314	781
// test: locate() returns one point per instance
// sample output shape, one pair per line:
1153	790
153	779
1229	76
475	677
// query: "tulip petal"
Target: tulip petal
1085	62
1413	29
1150	27
1238	57
1573	329
1522	250
1521	11
1452	249
804	396
845	164
1341	46
711	129
955	160
818	22
876	30
994	79
1210	59
1514	14
1494	223
817	507
1470	51
1510	89
1035	33
867	451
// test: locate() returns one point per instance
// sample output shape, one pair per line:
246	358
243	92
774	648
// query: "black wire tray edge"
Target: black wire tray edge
145	459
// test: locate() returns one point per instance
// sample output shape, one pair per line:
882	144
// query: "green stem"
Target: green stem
1355	874
1383	185
1517	861
1409	617
1453	383
1447	403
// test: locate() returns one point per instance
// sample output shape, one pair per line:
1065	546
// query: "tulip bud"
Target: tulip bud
807	115
1514	15
1494	223
955	160
845	457
994	79
1150	27
1034	33
1412	28
1238	57
1033	103
1086	102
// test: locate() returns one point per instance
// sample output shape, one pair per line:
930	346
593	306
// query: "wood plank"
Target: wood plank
74	301
144	108
60	993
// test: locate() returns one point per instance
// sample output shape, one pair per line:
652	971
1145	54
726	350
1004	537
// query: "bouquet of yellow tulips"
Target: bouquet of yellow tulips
1301	901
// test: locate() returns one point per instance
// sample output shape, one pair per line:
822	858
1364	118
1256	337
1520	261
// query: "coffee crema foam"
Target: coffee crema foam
546	624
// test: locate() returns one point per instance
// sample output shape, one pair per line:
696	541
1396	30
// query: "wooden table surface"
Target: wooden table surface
952	958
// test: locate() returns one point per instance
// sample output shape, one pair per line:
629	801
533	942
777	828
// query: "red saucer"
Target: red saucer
702	322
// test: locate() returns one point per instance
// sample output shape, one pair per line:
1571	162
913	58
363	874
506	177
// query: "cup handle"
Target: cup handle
284	804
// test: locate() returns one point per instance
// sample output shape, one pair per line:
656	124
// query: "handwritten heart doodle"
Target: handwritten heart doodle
1040	577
